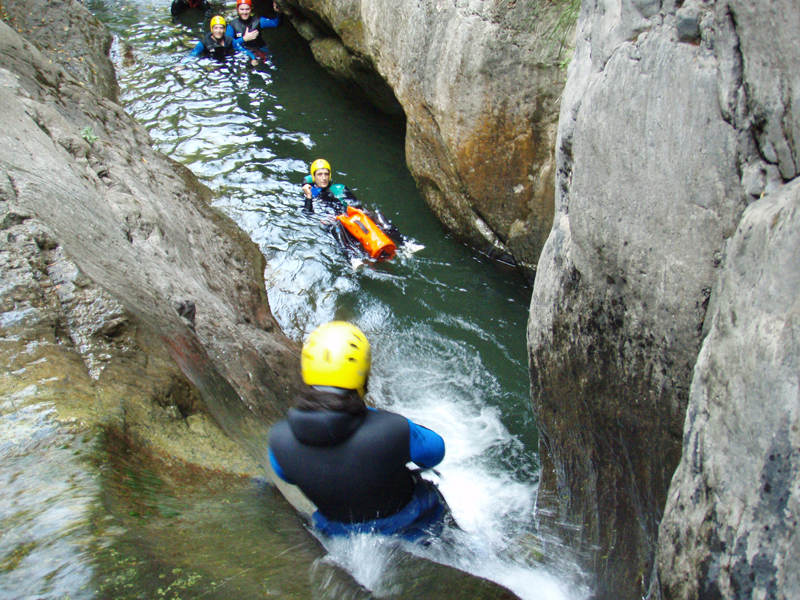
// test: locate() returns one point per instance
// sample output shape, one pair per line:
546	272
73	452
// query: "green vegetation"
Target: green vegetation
565	25
86	133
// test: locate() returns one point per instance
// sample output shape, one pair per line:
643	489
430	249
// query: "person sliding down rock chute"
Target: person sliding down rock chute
354	228
351	460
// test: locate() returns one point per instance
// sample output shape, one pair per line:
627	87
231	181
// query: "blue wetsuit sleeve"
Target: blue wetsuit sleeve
277	468
426	446
264	22
198	50
230	34
238	46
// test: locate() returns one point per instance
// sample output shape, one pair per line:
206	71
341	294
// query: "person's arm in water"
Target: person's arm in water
238	45
336	192
198	50
426	446
350	198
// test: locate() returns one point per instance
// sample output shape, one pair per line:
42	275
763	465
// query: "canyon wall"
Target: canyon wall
677	119
130	301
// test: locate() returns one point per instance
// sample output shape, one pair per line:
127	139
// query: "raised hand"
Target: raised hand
249	34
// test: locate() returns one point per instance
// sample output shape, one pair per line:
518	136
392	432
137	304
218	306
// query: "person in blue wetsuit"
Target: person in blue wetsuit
350	460
216	44
246	30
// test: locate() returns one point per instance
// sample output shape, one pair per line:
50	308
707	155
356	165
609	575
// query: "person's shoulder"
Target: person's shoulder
278	429
379	413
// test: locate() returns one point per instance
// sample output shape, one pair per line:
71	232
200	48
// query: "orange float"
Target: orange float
370	236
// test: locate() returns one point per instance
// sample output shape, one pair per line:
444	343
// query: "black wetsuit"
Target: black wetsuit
210	47
336	197
353	467
179	6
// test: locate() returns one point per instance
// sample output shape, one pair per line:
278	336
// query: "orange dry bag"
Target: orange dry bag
360	226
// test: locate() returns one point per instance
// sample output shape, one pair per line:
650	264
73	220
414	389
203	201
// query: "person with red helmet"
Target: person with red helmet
179	6
246	28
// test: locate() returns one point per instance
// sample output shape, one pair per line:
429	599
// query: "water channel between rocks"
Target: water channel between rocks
447	327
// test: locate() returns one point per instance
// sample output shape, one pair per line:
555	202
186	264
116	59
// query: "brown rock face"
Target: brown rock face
479	85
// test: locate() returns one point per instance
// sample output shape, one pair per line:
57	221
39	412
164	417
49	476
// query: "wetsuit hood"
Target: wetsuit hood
322	427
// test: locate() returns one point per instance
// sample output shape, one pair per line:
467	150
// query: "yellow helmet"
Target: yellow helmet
320	163
217	21
336	354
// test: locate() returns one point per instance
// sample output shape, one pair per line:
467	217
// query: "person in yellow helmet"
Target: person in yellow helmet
335	197
317	186
351	460
215	44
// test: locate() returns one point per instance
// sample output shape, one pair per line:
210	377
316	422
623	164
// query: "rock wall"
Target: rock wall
116	269
730	528
675	117
479	85
71	37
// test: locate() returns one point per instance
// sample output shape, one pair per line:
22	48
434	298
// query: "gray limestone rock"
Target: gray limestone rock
134	274
665	136
730	527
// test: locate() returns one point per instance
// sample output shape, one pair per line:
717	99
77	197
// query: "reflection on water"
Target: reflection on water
175	532
47	499
447	327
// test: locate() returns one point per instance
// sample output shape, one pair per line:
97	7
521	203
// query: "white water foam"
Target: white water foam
440	384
